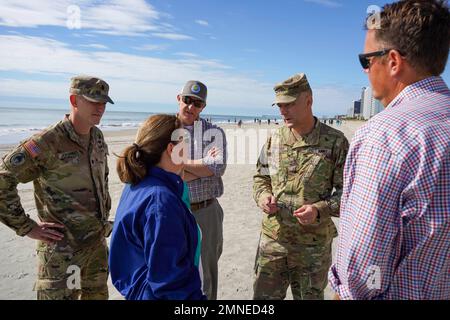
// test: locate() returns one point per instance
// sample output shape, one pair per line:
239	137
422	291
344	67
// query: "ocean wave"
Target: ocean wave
120	125
12	130
8	131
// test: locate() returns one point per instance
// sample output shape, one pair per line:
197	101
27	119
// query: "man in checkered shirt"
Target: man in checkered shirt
395	210
203	174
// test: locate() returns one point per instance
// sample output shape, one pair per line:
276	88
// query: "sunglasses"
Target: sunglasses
364	57
196	103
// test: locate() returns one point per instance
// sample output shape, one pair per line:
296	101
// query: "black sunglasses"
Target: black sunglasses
364	57
196	103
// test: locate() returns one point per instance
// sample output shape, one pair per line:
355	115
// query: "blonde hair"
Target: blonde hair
152	139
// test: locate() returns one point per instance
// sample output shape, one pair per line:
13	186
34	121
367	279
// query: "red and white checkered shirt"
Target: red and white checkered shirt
395	208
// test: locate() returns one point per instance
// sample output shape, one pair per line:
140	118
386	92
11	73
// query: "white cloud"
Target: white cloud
151	47
172	36
202	23
132	78
187	54
326	3
95	46
142	79
112	17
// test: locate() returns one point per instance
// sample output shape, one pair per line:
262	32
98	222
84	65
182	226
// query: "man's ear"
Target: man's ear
396	62
73	100
310	100
178	98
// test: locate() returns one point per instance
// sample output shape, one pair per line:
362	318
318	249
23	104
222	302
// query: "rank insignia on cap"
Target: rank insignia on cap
195	88
17	159
32	148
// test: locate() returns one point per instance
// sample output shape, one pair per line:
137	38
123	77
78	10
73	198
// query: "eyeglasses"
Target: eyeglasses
364	57
196	103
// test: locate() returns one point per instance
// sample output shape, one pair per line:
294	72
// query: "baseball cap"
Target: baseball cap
91	88
289	90
195	89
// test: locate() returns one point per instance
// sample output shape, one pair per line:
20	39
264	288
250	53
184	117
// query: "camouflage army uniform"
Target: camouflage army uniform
298	172
70	177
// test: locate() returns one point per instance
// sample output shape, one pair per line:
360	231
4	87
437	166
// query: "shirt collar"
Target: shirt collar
73	135
417	89
199	122
173	181
309	139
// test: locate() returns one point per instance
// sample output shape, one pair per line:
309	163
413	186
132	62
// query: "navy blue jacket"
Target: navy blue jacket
154	242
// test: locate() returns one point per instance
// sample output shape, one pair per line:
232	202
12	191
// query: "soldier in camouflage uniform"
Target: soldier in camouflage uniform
300	165
67	163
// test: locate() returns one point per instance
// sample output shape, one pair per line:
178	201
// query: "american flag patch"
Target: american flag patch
32	148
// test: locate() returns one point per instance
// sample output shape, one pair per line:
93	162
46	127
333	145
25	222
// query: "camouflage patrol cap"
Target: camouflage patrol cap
90	88
195	89
289	90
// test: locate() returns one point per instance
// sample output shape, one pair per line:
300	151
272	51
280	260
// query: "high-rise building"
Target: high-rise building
357	107
369	105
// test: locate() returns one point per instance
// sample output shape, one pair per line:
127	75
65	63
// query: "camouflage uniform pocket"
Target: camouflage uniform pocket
52	269
318	176
310	234
271	226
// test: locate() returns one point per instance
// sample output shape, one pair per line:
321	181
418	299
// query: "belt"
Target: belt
202	204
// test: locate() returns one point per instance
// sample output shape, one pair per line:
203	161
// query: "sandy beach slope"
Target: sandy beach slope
241	223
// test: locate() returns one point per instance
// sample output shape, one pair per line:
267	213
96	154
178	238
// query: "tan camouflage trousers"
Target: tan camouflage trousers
66	274
302	266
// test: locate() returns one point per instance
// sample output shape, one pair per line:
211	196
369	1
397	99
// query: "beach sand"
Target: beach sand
242	222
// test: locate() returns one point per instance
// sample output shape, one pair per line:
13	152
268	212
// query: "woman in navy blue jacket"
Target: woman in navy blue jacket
155	244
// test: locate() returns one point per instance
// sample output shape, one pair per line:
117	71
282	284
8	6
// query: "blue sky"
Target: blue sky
146	50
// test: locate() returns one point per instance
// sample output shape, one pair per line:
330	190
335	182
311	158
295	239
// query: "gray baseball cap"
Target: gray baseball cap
196	89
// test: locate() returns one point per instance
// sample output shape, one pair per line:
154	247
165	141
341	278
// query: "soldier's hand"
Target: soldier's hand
306	215
269	205
45	231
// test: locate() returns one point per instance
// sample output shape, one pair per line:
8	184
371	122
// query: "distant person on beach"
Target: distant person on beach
68	165
395	216
239	123
203	173
300	165
155	244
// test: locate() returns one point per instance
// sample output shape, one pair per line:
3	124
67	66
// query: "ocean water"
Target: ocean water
17	124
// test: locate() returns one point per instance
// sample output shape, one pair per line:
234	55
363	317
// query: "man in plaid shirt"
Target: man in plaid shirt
395	210
203	174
